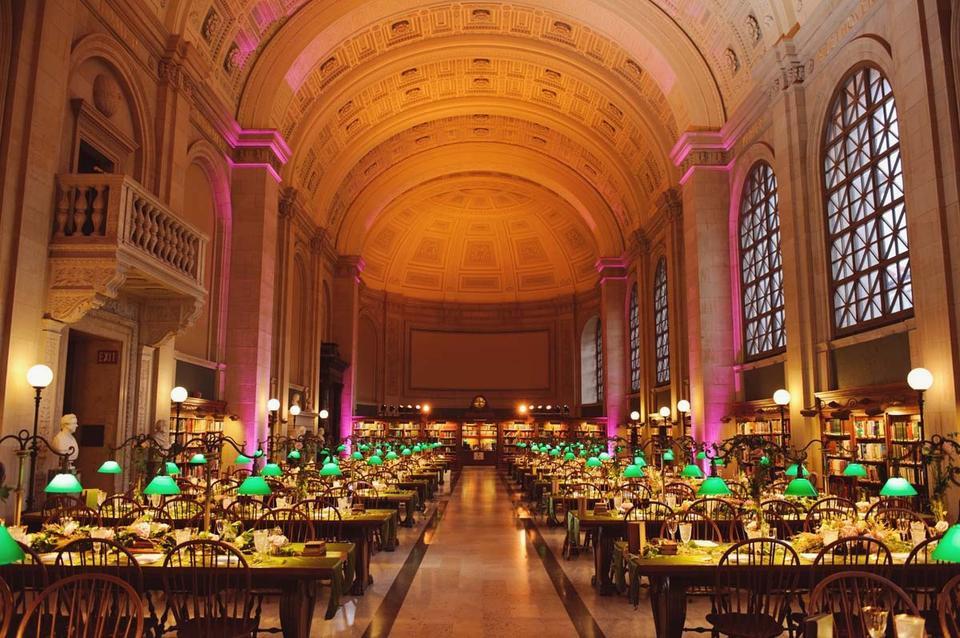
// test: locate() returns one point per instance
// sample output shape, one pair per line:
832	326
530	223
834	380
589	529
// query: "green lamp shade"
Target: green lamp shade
692	471
363	447
374	460
258	454
800	487
64	483
162	484
668	456
897	486
713	486
633	471
378	452
271	469
391	456
294	455
254	486
198	459
594	462
330	469
792	470
855	469
10	550
555	452
719	462
640	461
242	459
342	447
604	456
521	444
357	455
110	467
764	460
569	456
406	452
172	468
948	548
701	455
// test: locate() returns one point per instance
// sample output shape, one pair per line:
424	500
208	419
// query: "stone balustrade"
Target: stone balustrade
114	209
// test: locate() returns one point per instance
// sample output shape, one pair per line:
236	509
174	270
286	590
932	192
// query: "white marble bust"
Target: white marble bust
64	441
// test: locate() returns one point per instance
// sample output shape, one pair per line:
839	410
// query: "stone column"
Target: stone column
346	316
706	203
174	93
613	303
258	157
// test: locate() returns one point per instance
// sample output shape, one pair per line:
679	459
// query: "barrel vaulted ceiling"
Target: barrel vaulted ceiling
395	109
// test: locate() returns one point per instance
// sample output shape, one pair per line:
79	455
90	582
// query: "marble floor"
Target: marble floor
485	566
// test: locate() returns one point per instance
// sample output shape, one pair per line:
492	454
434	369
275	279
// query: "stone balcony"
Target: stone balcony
112	237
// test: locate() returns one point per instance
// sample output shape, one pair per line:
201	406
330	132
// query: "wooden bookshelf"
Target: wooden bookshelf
762	419
880	427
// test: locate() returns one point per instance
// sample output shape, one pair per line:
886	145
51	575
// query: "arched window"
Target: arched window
591	362
866	219
598	355
634	320
661	323
761	267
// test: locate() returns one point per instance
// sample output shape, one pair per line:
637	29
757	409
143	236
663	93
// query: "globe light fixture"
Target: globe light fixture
781	397
324	414
426	408
634	415
109	467
683	406
920	379
273	405
39	376
294	410
665	412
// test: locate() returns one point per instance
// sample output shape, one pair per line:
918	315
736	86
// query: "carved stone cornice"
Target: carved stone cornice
639	242
260	149
611	268
319	241
174	73
78	285
291	203
700	149
349	266
670	204
163	319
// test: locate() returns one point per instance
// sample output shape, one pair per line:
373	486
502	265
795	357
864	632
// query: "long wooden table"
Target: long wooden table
392	500
671	576
296	578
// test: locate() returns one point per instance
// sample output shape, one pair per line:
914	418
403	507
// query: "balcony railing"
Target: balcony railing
114	212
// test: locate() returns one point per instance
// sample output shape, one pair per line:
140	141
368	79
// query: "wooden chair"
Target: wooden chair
120	510
327	522
102	556
845	594
788	514
828	508
857	550
923	593
754	602
57	509
703	528
245	509
182	511
948	609
293	524
207	602
721	512
87	606
6	607
26	584
681	490
654	511
898	518
889	502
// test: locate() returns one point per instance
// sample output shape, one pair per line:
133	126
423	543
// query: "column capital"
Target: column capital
611	268
349	266
259	148
291	202
671	203
706	150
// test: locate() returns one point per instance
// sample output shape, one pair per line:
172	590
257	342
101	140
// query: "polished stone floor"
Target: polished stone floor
485	566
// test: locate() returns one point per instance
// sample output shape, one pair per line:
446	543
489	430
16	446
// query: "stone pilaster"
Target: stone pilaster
255	195
613	300
346	317
706	196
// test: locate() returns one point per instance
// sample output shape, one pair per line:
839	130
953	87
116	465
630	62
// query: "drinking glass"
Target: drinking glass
875	620
220	525
918	532
671	529
686	531
101	497
908	626
181	536
903	526
671	500
260	538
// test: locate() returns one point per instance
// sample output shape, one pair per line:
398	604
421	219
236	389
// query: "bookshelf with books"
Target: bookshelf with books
588	430
404	430
761	419
446	432
553	430
197	417
369	430
513	432
479	443
879	427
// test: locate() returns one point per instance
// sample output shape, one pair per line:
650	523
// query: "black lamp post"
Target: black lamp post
39	377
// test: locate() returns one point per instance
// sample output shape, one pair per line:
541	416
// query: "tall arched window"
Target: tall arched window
661	323
634	320
598	355
761	267
865	213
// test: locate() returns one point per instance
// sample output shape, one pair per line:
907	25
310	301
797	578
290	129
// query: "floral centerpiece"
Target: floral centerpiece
146	533
838	528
